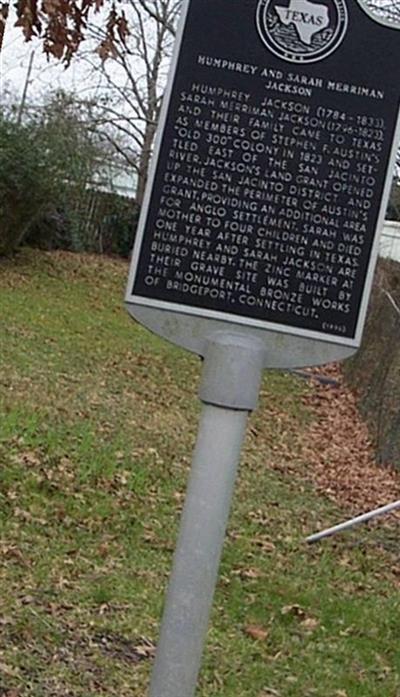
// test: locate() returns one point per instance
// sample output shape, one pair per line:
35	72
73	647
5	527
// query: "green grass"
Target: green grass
97	423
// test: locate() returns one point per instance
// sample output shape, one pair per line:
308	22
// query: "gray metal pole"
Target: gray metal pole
198	552
204	519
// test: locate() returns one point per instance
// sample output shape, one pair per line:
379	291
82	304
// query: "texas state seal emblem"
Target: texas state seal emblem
300	31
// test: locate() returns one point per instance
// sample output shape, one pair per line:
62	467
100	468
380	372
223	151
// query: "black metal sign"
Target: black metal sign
272	167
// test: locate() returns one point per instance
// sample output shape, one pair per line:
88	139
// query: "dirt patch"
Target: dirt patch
121	648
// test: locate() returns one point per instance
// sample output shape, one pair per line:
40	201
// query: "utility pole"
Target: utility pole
4	9
25	90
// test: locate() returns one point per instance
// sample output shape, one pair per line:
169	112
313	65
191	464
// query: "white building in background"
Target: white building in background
390	240
114	178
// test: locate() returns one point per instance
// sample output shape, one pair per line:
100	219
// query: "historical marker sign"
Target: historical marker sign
272	168
269	181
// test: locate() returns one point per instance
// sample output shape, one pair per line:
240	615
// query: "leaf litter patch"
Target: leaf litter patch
336	454
338	446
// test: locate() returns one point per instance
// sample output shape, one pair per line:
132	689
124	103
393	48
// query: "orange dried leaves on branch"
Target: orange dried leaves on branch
61	24
116	29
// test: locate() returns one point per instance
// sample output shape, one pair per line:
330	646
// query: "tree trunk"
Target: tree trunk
144	162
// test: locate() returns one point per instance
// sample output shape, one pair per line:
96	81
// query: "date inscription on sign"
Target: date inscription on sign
272	168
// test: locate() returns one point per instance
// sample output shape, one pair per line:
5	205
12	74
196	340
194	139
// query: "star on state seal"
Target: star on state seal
301	31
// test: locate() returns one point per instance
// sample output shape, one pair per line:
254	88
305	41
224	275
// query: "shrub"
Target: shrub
27	182
48	166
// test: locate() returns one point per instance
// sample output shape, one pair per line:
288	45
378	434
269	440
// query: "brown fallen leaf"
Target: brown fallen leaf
265	544
294	610
9	670
251	573
256	632
310	624
29	458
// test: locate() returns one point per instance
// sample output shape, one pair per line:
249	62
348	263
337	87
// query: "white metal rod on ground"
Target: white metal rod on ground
354	521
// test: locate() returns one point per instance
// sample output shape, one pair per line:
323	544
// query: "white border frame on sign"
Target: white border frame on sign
149	310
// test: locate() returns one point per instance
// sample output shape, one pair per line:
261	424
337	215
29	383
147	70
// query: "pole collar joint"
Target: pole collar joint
232	371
